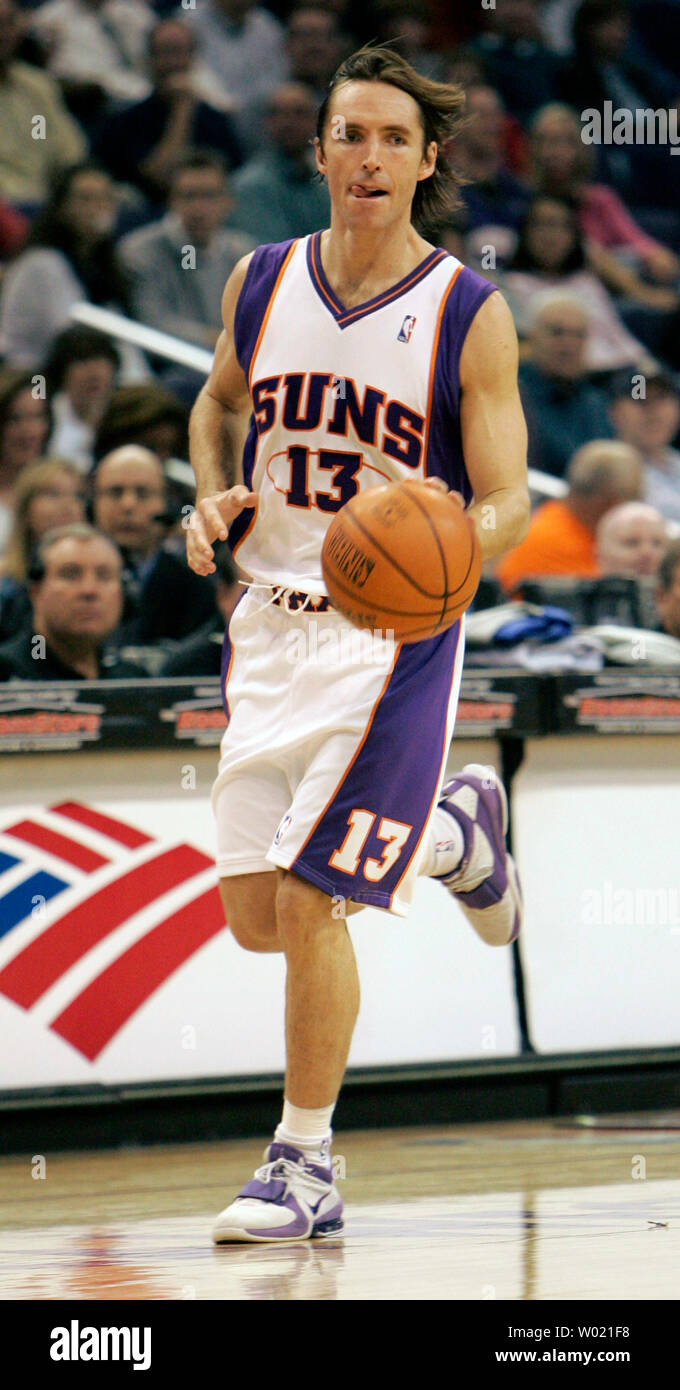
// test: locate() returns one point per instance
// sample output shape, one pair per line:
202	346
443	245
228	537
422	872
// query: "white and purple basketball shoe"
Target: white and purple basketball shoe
486	883
290	1198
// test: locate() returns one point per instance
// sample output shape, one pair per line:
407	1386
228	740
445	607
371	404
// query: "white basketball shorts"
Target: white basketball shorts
335	750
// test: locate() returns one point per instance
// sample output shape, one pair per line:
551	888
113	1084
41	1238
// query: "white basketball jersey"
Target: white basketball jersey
343	399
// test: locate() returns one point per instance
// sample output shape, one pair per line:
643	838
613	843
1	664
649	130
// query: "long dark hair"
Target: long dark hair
523	258
99	269
441	107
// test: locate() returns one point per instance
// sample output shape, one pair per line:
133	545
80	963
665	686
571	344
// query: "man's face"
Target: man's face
668	605
649	424
485	131
632	544
373	155
80	595
559	339
171	51
129	493
89	385
291	119
201	201
313	45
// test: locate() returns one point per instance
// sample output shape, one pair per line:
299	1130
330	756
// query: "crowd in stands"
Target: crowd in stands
149	144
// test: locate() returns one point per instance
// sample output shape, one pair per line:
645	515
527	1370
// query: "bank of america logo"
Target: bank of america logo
406	329
94	916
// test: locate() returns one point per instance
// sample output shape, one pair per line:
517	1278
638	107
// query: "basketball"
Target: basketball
404	558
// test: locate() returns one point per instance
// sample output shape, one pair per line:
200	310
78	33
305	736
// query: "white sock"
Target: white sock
444	847
305	1129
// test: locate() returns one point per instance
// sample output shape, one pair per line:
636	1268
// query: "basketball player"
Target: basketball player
356	355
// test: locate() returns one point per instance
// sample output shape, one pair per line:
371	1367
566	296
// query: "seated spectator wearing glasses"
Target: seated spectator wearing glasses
277	194
47	494
561	535
80	374
631	540
563	409
179	266
163	597
650	421
143	144
551	255
69	256
77	597
668	590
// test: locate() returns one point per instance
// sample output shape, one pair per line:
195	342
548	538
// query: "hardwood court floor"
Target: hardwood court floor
524	1210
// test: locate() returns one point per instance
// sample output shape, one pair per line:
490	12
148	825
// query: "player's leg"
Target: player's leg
249	902
465	849
293	1196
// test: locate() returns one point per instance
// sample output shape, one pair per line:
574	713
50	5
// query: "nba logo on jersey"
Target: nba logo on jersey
406	329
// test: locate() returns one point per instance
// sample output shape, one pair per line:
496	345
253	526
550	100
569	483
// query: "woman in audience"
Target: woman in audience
69	256
25	423
561	167
551	255
49	493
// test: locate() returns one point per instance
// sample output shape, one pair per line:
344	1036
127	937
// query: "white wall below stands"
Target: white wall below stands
431	991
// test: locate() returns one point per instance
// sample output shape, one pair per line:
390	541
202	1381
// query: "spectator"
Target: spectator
80	374
668	590
143	144
516	60
47	494
164	598
167	293
27	165
95	44
551	255
561	168
276	193
405	24
650	422
201	654
315	48
146	415
561	535
563	409
77	598
495	201
70	256
605	67
25	424
631	540
243	45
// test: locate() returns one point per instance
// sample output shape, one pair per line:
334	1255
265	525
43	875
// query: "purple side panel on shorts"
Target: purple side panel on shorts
395	773
444	446
251	307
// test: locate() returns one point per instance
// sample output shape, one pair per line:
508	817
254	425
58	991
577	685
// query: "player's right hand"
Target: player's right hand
210	521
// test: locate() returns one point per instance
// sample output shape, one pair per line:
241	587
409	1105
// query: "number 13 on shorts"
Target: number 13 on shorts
395	833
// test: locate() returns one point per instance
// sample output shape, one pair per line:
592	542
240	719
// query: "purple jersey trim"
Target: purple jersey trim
395	772
256	292
251	307
344	317
444	458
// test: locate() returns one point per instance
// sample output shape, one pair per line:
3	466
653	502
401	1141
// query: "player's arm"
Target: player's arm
493	428
216	436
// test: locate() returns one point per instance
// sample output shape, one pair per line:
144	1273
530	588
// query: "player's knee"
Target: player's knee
251	923
300	908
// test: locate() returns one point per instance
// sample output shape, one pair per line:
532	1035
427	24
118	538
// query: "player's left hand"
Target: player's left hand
210	521
440	485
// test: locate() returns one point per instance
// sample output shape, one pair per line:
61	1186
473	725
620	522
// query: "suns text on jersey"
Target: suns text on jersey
308	401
